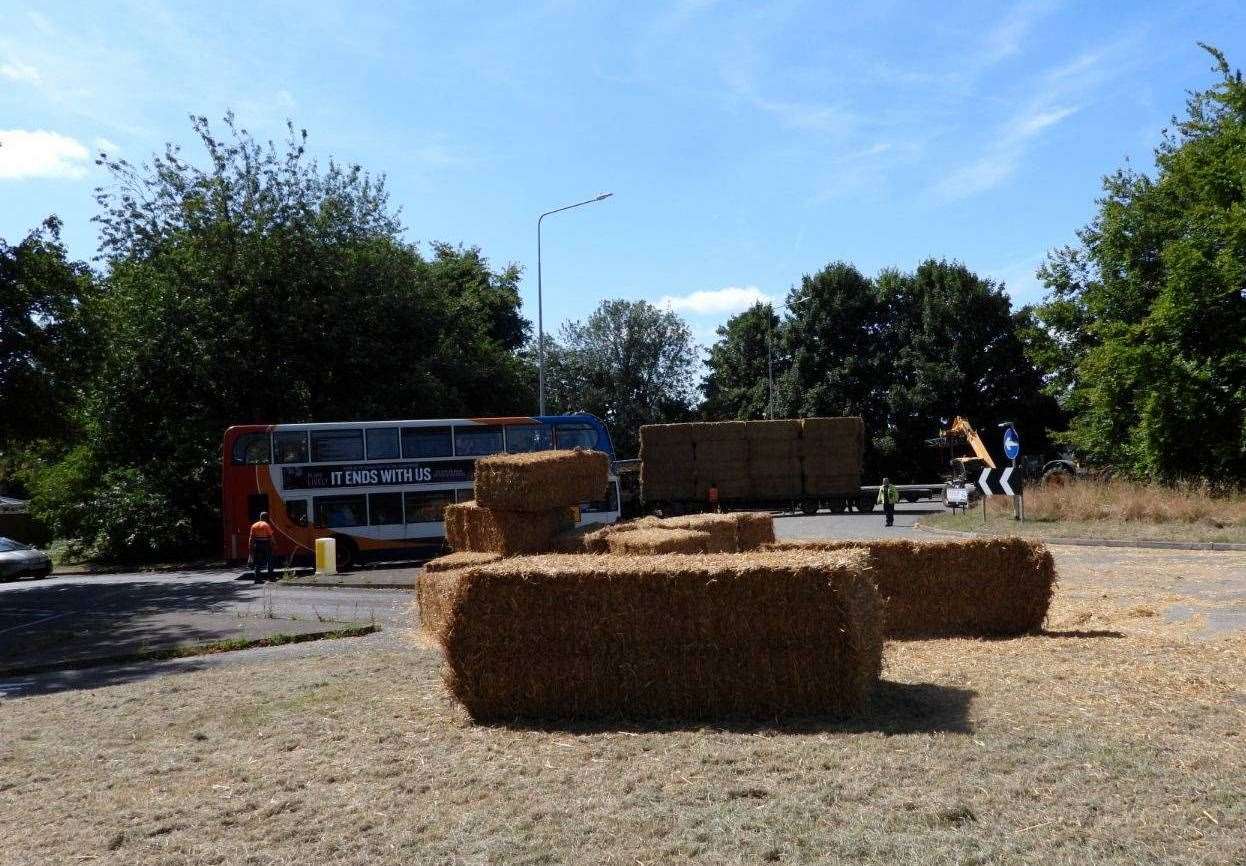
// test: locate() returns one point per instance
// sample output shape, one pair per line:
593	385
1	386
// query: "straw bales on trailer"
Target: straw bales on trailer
541	480
760	460
762	635
976	588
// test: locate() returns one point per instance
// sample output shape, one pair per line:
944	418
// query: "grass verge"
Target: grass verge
1112	738
1001	523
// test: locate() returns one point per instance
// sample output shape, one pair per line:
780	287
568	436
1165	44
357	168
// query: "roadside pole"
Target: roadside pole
1012	450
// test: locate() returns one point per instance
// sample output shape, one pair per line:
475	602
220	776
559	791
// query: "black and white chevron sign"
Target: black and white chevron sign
999	482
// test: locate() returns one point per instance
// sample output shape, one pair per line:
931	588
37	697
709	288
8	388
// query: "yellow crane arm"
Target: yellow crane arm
962	427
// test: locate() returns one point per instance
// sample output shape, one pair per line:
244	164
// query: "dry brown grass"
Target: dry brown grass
1074	747
1128	502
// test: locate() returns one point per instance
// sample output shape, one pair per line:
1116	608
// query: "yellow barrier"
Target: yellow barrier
326	556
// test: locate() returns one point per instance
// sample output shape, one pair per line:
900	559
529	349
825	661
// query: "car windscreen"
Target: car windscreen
8	545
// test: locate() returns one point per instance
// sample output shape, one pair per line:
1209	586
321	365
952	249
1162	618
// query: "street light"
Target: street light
770	354
540	319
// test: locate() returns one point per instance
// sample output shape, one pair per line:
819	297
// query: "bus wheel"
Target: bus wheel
347	554
809	506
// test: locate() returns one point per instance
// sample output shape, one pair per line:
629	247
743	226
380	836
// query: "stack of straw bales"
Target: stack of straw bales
831	454
524	500
774	458
651	541
737	532
666	462
990	587
759	635
764	460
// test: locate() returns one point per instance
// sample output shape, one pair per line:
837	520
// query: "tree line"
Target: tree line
263	287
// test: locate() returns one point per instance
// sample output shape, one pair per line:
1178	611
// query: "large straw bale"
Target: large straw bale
777	486
779	430
721	529
461	559
832	447
754	529
472	527
760	635
589	538
654	540
976	588
541	480
827	485
434	596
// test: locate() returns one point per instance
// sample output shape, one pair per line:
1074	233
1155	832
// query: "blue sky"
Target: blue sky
746	144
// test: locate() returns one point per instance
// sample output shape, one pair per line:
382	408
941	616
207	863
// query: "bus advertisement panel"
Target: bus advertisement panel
378	487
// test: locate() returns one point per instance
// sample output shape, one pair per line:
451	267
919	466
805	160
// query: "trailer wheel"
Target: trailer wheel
910	496
837	505
865	503
809	506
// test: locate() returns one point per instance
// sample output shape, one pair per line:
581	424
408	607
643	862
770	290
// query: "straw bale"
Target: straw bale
784	486
975	588
472	527
434	597
721	529
704	432
760	635
710	451
825	485
649	541
753	529
589	538
541	480
461	559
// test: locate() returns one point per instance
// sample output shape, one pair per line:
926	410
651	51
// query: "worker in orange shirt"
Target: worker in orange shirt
261	543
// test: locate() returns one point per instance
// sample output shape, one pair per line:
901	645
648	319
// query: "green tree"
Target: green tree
629	364
44	356
1150	306
263	288
736	384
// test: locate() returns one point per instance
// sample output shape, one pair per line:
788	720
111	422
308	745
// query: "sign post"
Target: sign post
1012	450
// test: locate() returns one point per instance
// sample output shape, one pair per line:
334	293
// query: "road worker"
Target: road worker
261	542
888	496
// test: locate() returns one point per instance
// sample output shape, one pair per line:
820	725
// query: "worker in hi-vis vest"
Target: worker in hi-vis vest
261	543
888	495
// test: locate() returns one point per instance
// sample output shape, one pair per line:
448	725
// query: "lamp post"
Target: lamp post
770	357
540	317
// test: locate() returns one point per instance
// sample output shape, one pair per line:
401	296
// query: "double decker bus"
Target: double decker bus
379	487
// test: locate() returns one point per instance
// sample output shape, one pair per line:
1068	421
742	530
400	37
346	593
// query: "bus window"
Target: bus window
333	512
252	448
428	506
527	437
296	511
291	446
477	441
420	442
575	436
384	509
333	446
383	443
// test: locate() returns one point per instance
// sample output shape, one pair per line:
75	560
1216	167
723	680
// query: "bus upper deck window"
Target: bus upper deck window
291	446
477	441
252	448
575	436
383	443
420	442
331	446
527	437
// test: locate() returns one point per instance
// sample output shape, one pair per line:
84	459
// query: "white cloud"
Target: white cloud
731	299
26	153
15	70
109	147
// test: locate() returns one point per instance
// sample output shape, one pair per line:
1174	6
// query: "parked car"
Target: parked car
22	560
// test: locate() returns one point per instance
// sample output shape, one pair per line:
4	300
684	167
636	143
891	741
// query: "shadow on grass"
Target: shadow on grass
1081	633
895	708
